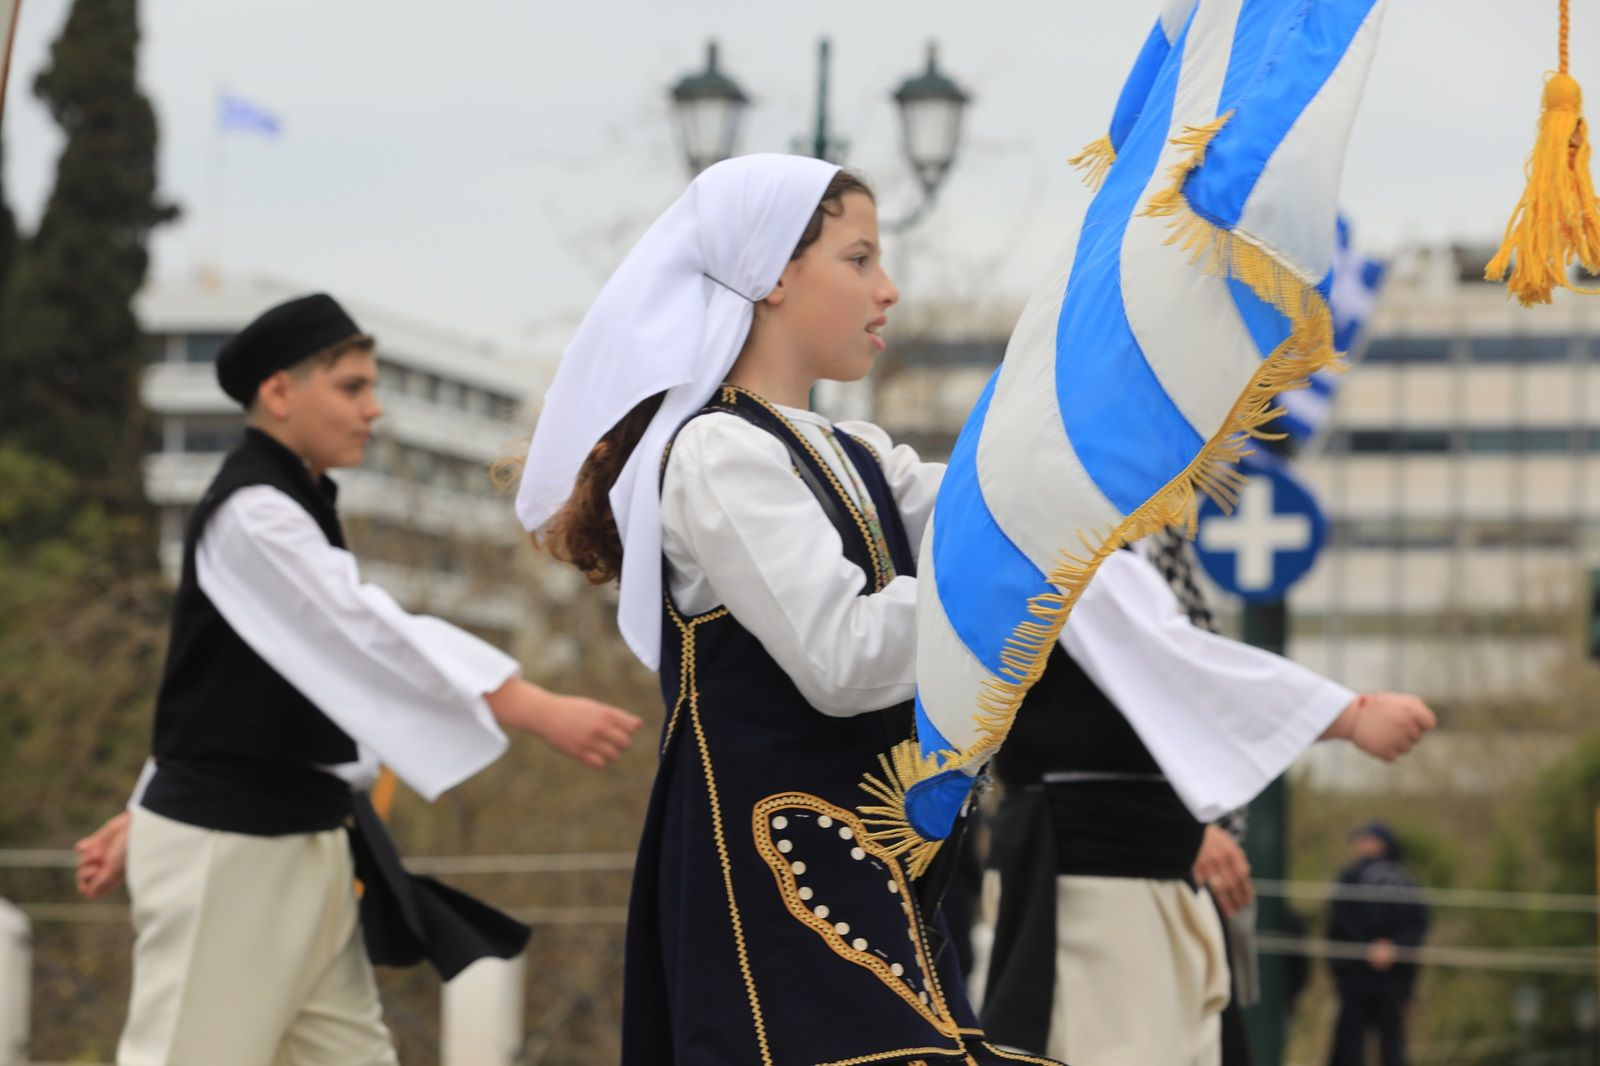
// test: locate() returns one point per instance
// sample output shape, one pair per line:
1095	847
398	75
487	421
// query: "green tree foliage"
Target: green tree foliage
80	655
8	236
72	348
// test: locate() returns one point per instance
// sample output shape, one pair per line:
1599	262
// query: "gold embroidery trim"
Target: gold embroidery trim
727	878
935	1012
885	1055
1014	1056
686	654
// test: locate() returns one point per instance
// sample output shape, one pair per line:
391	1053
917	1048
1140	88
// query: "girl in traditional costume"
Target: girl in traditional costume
766	560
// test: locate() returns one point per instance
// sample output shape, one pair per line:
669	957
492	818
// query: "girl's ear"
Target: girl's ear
780	291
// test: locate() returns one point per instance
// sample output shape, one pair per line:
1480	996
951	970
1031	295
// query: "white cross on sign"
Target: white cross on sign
1253	533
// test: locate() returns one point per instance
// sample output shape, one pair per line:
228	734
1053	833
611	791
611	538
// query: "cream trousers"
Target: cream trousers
248	951
1141	972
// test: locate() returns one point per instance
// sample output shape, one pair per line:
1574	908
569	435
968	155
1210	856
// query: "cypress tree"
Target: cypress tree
73	350
8	235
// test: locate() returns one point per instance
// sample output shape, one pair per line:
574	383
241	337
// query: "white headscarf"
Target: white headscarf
673	318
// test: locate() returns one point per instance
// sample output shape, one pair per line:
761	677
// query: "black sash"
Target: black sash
406	918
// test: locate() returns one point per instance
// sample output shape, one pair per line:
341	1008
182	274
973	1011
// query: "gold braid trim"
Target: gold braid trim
727	875
935	1012
1094	161
1308	348
686	656
1017	1057
884	1056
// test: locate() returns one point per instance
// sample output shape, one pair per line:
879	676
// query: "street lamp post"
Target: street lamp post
709	106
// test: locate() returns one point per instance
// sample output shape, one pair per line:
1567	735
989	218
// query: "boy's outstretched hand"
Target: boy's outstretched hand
103	858
589	731
1385	725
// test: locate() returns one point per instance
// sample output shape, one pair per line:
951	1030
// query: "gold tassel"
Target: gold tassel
1094	161
1557	218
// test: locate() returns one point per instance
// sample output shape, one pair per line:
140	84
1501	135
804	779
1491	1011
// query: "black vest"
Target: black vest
1119	817
236	744
752	824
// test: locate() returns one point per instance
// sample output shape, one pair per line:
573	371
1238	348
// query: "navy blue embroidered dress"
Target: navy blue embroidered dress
763	928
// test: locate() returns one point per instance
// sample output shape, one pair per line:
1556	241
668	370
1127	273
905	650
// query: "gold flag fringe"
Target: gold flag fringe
903	766
1094	161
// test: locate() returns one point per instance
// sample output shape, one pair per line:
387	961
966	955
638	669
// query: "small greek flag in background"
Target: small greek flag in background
235	113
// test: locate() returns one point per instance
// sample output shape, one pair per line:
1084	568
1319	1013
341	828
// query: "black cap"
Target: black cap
280	337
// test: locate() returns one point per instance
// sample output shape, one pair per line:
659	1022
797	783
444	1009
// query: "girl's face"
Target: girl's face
833	300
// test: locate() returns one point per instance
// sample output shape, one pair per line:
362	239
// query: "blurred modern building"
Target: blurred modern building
1460	472
420	511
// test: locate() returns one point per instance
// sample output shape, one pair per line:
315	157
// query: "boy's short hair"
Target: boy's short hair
323	358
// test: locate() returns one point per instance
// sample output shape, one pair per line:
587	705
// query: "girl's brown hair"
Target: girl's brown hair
584	532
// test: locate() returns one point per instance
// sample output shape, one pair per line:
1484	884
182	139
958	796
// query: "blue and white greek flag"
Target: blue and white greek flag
1352	299
237	113
1134	377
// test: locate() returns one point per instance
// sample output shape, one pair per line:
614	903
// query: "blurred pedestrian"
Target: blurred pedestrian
1375	990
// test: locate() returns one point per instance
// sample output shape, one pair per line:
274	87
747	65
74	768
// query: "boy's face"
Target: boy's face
324	415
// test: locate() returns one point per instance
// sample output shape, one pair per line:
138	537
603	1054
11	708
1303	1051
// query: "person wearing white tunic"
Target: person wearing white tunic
288	680
1144	727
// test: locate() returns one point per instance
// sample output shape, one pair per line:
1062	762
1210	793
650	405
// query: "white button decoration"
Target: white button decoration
780	822
785	847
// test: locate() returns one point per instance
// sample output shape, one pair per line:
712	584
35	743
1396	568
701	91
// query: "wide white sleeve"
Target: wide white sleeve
408	687
914	482
734	510
1223	719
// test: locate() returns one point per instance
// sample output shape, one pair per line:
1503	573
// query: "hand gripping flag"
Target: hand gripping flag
1134	377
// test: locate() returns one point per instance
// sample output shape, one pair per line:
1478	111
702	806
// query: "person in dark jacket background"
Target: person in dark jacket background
1375	991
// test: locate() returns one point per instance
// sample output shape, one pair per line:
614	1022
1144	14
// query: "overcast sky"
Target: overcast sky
482	164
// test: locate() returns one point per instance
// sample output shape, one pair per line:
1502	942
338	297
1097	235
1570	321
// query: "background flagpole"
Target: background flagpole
211	258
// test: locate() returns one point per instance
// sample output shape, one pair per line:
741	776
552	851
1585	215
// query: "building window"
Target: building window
1520	440
1392	441
448	394
209	434
503	407
1408	350
1535	349
203	347
391	378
